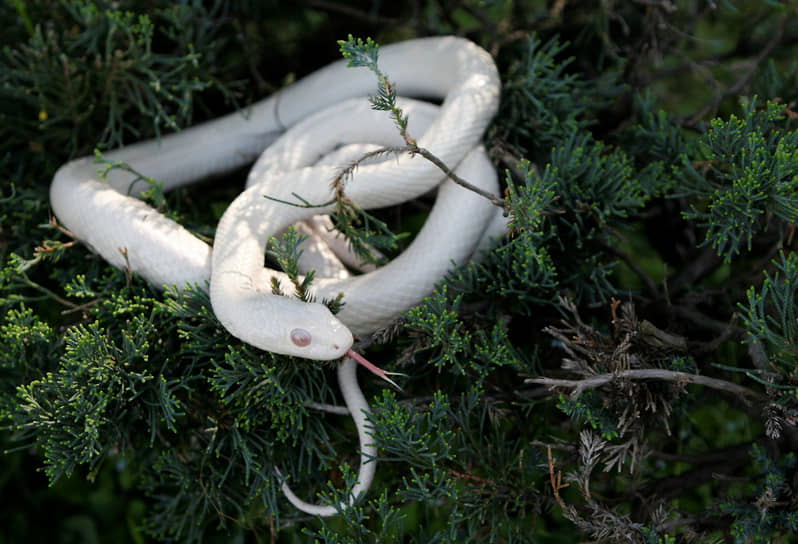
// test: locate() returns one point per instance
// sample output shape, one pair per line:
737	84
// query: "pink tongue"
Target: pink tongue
366	363
373	368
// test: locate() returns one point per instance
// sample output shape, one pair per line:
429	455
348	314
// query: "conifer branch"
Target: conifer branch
365	54
339	182
150	381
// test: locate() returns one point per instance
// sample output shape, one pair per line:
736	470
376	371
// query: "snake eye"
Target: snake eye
301	337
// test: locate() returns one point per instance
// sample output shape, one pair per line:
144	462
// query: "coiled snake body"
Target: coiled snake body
330	123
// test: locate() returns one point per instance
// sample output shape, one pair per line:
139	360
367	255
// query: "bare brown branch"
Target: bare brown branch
649	374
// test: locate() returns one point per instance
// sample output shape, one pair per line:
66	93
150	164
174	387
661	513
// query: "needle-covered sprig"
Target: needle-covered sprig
287	253
742	175
365	54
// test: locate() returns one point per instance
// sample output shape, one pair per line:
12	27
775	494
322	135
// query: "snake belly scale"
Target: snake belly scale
329	122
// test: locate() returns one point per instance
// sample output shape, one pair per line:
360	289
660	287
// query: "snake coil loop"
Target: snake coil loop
329	122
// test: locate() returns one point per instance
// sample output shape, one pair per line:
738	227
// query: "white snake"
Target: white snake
330	123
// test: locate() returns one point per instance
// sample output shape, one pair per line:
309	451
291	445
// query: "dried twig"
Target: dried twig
556	481
648	374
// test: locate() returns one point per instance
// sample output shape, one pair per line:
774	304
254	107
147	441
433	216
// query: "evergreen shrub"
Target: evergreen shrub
620	368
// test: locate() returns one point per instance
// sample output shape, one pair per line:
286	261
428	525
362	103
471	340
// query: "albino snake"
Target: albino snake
330	122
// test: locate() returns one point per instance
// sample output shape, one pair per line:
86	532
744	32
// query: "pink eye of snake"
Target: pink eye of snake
301	337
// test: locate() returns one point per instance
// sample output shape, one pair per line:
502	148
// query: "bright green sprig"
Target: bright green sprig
362	230
365	54
740	174
155	192
567	212
287	253
360	53
447	337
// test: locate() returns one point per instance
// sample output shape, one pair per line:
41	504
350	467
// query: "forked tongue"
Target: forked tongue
374	368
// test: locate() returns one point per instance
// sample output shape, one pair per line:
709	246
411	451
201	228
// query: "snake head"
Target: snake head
316	333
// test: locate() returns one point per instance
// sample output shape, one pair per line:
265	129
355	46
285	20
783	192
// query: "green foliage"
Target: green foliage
438	319
773	512
594	190
27	345
75	411
462	349
456	458
360	53
364	231
542	102
518	270
564	215
365	54
770	320
103	75
70	413
152	424
21	211
153	196
287	254
744	174
656	142
770	314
